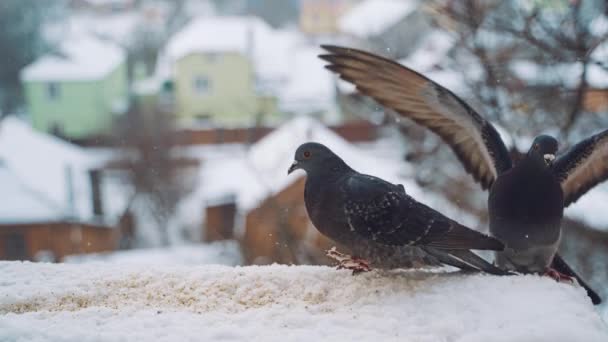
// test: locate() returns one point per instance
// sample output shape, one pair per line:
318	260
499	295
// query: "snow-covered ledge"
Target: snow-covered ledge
109	302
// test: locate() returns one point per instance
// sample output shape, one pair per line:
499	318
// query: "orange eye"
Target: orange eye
536	146
307	154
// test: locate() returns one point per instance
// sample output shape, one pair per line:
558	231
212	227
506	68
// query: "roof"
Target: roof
40	164
372	17
78	58
24	205
219	34
568	74
310	87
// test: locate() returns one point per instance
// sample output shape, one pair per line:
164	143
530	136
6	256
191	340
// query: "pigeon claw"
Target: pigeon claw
558	276
347	262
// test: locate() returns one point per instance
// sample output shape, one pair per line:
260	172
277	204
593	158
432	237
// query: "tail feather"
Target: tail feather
561	266
465	260
463	238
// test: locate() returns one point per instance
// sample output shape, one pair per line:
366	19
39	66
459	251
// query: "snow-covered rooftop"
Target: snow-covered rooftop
372	17
24	205
109	302
310	87
44	163
78	58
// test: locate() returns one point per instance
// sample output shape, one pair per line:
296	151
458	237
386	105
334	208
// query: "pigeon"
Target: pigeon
527	199
370	216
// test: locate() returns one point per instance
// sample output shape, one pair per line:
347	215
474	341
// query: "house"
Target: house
238	71
79	90
214	64
320	17
52	204
392	27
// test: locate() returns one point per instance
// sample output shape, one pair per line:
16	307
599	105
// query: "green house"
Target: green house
219	73
79	90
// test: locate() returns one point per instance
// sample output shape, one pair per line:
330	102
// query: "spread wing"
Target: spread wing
475	141
383	212
583	166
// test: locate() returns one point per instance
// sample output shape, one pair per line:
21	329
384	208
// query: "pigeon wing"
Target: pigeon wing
583	166
411	95
382	212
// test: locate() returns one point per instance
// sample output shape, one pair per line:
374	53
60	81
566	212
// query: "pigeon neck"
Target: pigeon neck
332	169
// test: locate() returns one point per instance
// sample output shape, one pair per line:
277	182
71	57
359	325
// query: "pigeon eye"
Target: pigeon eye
307	154
536	146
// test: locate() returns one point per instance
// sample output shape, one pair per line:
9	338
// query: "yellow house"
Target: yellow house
219	70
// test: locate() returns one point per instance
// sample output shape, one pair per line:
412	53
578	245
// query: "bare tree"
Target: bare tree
159	178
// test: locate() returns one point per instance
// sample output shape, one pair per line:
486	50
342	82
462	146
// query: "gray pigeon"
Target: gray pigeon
378	221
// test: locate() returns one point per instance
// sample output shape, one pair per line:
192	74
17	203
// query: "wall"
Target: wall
279	231
231	97
60	238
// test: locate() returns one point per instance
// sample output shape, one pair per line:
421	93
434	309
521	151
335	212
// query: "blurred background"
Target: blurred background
161	131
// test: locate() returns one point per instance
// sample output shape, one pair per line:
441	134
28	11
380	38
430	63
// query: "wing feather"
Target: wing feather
583	166
475	141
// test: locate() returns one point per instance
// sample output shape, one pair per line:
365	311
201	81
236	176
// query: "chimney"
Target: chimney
70	198
96	198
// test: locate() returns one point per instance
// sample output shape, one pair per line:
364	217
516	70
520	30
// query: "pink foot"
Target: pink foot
558	276
345	261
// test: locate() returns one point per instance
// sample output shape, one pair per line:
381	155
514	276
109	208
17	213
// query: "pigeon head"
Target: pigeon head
312	157
544	147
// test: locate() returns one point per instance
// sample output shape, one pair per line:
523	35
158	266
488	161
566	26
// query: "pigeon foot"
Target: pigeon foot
345	261
558	276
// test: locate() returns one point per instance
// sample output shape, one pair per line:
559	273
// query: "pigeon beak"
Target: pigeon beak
549	158
294	166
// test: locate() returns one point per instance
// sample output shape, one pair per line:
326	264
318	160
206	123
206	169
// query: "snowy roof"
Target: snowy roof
241	34
24	205
310	87
43	163
568	74
110	302
79	58
372	17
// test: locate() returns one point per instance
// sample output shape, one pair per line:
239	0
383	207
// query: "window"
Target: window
53	91
14	247
201	85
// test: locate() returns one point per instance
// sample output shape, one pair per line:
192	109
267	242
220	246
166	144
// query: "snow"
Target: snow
41	162
79	58
25	205
218	253
310	87
567	73
372	17
108	302
431	51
